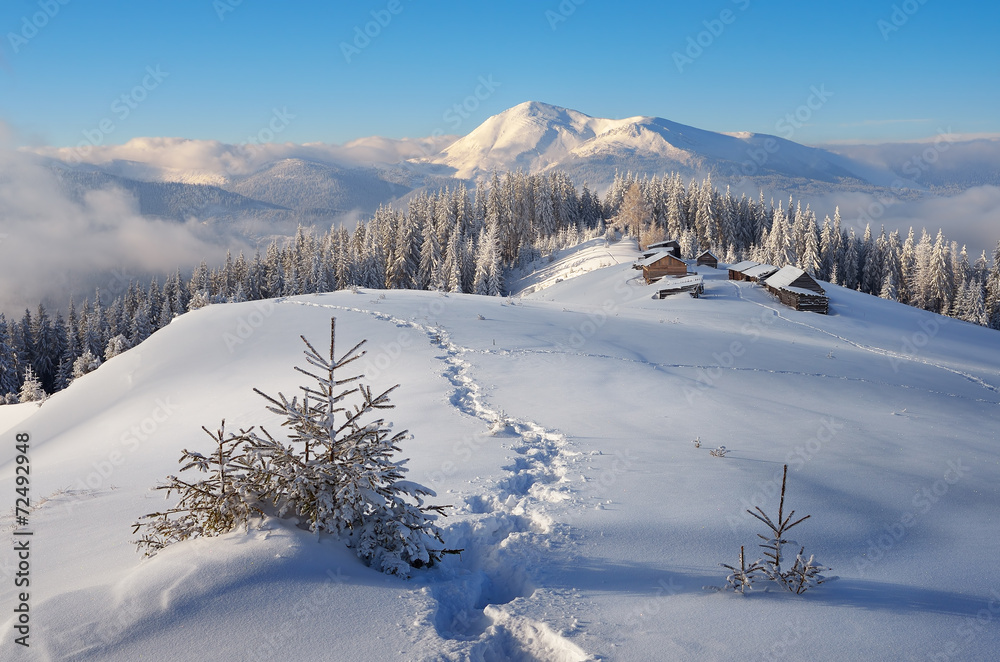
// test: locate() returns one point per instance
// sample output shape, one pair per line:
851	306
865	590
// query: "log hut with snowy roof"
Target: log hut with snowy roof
707	258
661	264
672	246
797	289
751	271
736	270
760	272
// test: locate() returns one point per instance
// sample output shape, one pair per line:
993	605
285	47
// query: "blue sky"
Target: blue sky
854	70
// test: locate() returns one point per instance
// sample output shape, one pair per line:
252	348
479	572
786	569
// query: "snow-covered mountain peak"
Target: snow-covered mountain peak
537	137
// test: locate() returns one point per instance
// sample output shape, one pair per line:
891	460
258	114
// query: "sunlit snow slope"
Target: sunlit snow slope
560	426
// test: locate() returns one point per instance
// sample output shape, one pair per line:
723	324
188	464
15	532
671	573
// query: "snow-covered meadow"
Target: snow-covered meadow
560	426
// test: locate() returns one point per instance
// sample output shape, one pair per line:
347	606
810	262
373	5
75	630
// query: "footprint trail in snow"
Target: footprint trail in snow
478	602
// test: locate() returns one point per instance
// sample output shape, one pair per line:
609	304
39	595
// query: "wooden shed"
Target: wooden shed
672	246
797	289
661	264
693	285
736	270
708	259
760	272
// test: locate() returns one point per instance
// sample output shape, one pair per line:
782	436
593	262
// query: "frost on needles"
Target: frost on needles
804	574
333	470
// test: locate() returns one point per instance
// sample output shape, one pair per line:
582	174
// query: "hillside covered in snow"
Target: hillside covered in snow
560	425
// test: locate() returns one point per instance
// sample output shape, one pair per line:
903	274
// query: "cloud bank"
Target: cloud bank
213	162
52	246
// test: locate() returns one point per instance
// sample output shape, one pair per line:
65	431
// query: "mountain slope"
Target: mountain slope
318	188
172	200
559	425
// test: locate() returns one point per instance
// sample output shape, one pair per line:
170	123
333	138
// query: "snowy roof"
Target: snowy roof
760	271
678	283
655	257
786	276
661	244
704	253
745	264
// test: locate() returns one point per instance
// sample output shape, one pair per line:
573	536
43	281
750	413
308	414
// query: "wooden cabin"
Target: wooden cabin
797	289
661	264
760	272
736	270
708	259
672	246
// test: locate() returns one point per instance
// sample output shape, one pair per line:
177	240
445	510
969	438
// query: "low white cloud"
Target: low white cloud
971	218
214	162
52	245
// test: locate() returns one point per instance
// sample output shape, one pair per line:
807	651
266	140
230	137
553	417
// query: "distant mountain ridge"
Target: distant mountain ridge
539	137
284	184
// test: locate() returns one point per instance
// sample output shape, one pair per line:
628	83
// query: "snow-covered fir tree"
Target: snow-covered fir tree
336	471
31	388
9	383
86	364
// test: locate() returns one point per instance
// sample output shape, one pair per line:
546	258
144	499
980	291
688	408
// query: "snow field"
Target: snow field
559	426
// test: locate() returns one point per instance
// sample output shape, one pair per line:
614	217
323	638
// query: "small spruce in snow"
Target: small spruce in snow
335	472
804	574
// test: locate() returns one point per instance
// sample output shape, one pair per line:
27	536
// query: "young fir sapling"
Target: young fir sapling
334	472
804	573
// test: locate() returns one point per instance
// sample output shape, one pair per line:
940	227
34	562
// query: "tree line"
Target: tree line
922	270
462	240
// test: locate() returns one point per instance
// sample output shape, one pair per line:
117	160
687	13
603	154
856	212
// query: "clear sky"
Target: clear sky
852	70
